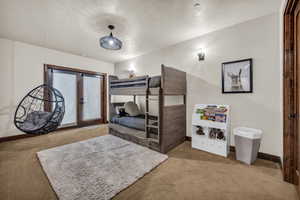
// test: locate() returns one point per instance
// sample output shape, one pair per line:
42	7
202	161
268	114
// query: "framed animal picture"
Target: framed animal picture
237	76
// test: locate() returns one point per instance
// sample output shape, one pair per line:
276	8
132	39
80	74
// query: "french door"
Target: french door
84	93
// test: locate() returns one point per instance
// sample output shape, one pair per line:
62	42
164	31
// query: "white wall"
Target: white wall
281	38
22	69
257	39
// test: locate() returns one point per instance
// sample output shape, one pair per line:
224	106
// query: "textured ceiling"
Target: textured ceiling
75	26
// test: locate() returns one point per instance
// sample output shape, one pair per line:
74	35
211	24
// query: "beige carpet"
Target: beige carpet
188	174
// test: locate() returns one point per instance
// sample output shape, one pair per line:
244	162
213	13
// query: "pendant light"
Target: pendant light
110	42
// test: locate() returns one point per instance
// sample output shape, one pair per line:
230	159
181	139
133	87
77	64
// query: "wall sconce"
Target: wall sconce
201	55
131	71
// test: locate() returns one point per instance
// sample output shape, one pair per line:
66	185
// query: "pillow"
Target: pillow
132	109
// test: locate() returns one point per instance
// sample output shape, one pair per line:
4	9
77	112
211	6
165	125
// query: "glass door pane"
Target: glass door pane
66	83
92	90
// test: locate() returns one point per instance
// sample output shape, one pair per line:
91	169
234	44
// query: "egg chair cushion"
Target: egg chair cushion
35	120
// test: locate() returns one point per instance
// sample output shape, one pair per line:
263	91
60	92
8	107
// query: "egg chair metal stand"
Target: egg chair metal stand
41	111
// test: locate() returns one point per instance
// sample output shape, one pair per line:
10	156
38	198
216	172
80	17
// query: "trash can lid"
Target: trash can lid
250	133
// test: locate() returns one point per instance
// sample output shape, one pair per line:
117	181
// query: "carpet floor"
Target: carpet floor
188	174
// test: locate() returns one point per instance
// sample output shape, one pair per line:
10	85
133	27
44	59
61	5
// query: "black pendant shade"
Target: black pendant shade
110	42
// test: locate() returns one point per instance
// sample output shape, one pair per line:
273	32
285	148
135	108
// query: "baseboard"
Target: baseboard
14	137
264	156
17	137
260	155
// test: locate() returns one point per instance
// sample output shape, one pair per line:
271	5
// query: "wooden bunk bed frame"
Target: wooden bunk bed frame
171	120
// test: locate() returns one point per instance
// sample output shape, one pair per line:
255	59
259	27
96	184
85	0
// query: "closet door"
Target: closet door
91	99
296	116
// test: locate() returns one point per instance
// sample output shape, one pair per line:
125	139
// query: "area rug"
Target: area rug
97	168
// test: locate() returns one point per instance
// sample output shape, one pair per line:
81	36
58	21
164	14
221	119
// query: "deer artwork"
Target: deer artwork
236	83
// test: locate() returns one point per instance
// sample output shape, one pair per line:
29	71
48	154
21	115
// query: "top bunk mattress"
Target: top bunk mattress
141	82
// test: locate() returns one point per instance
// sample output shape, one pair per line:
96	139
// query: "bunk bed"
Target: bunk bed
161	132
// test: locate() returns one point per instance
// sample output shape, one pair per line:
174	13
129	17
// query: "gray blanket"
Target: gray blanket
130	122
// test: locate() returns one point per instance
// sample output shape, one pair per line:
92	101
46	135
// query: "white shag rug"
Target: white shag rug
97	168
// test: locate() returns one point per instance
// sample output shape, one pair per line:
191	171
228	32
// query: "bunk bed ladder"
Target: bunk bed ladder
147	113
149	119
160	107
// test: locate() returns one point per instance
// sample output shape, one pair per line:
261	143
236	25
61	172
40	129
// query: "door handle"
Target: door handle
81	100
293	115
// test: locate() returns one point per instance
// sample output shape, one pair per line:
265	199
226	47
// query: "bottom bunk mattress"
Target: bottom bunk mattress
137	122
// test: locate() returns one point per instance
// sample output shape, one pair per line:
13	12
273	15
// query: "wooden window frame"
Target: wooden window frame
47	79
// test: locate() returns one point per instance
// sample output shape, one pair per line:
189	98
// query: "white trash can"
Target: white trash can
247	143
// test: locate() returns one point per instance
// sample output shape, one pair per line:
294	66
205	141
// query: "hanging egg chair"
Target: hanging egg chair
40	111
